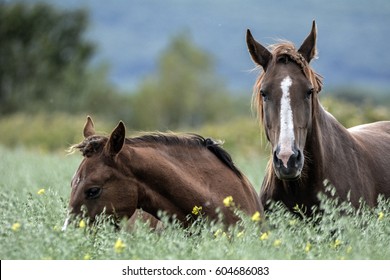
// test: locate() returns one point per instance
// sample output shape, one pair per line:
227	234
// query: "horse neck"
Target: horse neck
324	144
159	179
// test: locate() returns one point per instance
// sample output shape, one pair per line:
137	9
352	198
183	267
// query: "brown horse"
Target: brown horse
155	172
309	145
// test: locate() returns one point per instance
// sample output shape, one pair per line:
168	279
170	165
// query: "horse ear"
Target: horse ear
117	139
89	128
260	55
308	48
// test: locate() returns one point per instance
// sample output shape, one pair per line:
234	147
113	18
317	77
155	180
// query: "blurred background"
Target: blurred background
176	65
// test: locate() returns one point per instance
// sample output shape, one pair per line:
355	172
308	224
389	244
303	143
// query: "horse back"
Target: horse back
374	139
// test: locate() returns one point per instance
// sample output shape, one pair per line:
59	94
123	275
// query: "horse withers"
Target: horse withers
167	172
309	145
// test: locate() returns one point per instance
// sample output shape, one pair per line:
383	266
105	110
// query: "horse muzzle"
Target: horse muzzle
288	165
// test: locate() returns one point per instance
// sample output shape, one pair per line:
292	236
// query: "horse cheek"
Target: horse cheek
271	126
125	201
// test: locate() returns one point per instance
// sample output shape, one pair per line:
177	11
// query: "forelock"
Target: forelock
90	145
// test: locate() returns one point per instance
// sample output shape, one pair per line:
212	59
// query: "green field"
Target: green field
35	188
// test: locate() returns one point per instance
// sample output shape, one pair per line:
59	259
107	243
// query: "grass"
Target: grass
34	193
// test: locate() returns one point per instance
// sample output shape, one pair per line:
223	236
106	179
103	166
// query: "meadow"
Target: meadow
35	188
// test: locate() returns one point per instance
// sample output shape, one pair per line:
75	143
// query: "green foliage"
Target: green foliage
185	91
350	114
43	57
46	132
31	221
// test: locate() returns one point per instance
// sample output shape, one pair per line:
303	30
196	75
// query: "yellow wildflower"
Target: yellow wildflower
256	217
380	215
41	191
228	201
82	224
277	242
218	232
87	257
197	210
16	226
336	244
119	246
241	233
307	247
264	236
293	222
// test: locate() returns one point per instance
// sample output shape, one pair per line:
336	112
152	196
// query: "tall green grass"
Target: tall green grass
34	193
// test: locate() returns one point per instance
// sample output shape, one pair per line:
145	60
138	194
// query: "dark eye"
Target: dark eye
309	93
93	193
264	95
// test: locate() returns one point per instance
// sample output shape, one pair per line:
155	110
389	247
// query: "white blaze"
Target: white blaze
286	137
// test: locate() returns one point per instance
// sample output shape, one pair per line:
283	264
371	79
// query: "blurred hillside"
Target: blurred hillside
352	36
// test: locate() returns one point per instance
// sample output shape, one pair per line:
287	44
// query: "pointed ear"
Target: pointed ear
116	141
89	128
308	49
260	55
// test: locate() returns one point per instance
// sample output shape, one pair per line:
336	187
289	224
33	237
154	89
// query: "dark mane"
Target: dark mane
168	139
95	144
285	52
188	139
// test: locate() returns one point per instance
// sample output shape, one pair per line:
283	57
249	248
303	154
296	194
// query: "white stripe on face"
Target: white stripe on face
286	137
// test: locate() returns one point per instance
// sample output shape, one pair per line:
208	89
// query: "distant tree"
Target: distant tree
43	57
185	91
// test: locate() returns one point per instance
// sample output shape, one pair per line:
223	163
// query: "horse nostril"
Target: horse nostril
276	159
298	159
299	156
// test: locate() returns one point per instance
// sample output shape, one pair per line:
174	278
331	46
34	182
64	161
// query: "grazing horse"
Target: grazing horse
309	145
153	172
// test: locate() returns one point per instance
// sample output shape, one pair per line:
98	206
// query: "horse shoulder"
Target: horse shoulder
374	142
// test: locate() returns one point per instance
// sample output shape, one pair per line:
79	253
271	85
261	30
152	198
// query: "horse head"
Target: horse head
98	184
284	96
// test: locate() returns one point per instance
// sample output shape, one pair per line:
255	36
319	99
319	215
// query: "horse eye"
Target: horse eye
93	192
264	95
309	93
